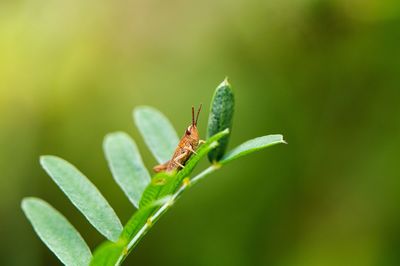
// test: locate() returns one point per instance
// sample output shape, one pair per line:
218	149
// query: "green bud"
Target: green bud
220	118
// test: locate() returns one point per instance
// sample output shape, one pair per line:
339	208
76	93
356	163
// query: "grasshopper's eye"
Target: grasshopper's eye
188	130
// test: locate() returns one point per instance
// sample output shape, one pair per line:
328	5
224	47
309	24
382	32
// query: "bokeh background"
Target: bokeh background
326	74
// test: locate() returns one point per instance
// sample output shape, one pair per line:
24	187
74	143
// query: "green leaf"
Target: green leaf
153	190
164	183
111	253
84	195
157	131
202	151
107	254
126	165
220	118
136	222
158	193
56	232
251	146
139	220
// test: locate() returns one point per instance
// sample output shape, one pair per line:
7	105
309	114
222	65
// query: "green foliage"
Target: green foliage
152	196
56	232
153	190
84	195
220	118
137	221
107	253
126	165
251	146
158	133
203	150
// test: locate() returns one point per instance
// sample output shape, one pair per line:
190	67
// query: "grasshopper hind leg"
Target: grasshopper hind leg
161	167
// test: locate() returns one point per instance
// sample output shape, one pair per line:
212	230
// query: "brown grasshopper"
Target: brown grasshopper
186	147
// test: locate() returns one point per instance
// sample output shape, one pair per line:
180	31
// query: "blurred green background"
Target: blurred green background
326	74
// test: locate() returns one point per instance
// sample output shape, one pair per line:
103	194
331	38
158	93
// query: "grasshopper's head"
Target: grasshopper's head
191	132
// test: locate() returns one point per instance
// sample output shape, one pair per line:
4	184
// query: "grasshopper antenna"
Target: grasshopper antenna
193	115
198	112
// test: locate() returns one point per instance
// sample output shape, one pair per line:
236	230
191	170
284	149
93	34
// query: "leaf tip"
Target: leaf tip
26	202
140	108
225	83
43	159
136	110
117	134
281	140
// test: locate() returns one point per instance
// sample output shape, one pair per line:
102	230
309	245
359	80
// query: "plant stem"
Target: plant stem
204	173
163	209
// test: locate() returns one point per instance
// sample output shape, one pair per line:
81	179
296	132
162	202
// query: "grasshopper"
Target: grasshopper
186	147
